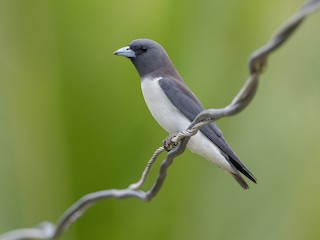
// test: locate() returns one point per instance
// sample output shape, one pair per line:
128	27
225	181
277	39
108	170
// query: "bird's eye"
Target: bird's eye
143	49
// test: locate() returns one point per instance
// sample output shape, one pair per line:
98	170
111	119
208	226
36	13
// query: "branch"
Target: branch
258	63
178	143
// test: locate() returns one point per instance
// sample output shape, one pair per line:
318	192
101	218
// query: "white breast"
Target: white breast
173	121
170	118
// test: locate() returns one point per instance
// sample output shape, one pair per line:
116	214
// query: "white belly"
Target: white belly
173	121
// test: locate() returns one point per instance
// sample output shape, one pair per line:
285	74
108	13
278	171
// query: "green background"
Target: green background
73	120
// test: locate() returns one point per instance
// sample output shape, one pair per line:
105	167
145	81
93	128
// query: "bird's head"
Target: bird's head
148	56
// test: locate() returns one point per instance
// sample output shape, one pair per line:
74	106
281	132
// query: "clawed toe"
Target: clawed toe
168	144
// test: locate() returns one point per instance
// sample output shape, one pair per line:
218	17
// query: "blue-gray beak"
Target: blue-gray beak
126	52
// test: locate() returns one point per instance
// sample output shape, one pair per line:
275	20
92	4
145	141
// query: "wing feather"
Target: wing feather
189	105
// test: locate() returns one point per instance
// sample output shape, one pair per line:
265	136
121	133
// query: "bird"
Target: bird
174	106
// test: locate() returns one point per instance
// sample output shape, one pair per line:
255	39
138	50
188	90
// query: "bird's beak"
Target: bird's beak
126	52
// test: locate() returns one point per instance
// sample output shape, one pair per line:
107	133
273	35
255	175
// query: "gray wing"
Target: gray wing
188	104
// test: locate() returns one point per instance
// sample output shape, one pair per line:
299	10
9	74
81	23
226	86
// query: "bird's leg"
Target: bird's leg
168	144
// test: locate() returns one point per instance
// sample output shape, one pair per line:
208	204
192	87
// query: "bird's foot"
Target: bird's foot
168	144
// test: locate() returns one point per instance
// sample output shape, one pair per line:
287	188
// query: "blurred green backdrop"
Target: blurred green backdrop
73	120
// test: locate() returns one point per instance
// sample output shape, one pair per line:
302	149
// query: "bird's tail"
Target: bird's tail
240	180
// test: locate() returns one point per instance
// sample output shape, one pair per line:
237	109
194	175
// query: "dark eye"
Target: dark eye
143	48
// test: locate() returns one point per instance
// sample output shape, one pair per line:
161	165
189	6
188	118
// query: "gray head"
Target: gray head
149	58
